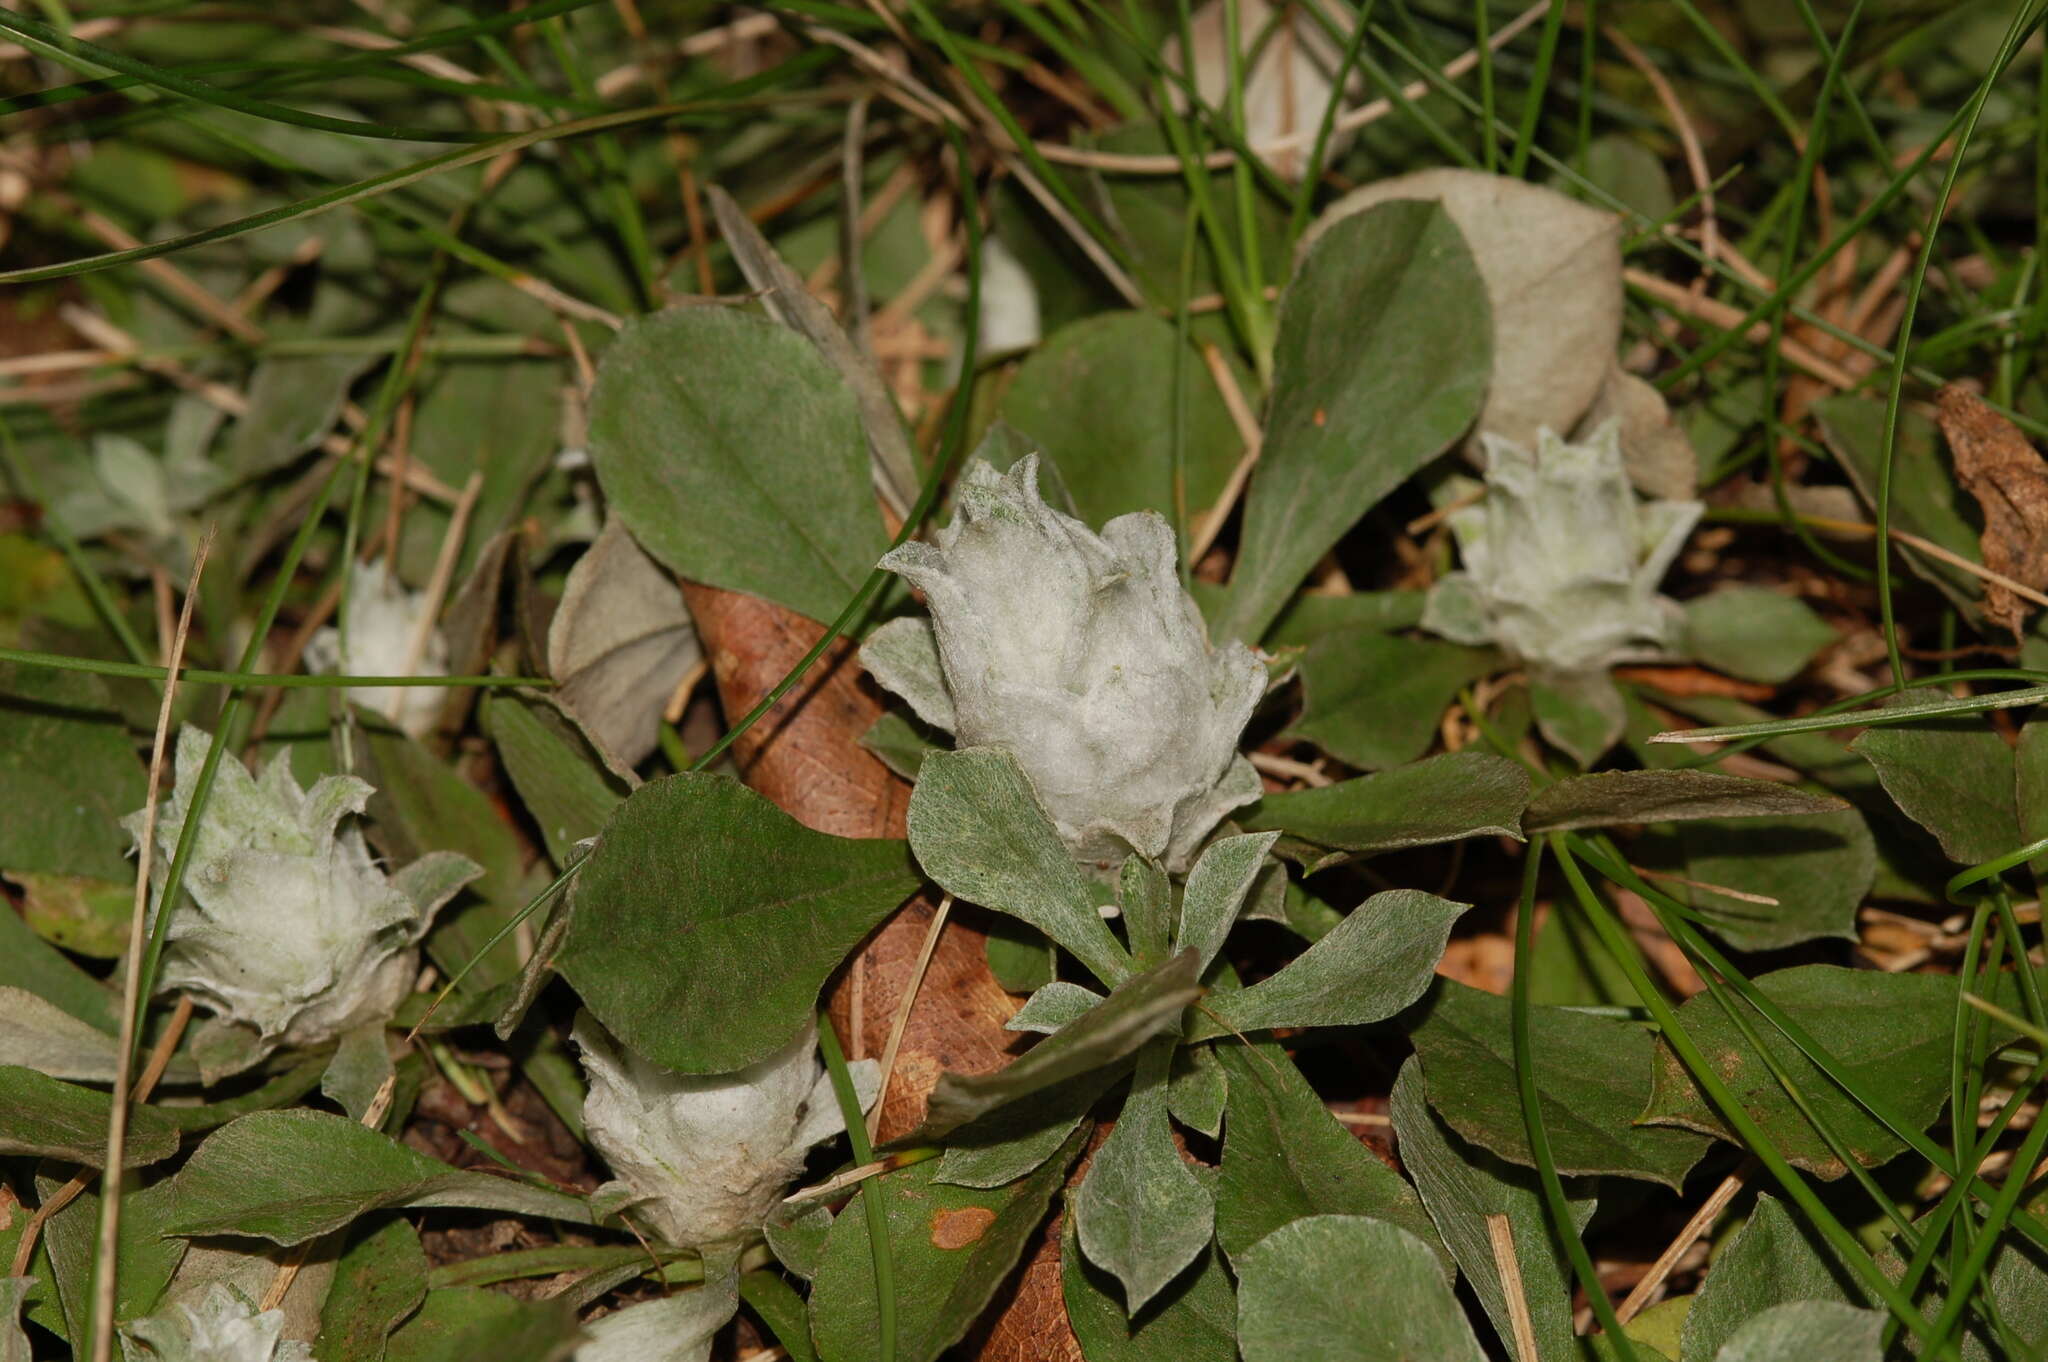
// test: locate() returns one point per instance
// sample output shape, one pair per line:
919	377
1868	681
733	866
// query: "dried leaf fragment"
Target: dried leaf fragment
2006	474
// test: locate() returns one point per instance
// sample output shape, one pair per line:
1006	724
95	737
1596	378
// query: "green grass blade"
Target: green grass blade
1532	1113
2022	24
1532	102
1622	947
84	56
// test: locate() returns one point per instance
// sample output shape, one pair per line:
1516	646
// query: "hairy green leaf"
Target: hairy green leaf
978	829
951	1246
1378	960
1285	1157
1381	362
1441	799
1141	1213
1891	1033
1109	1033
1613	797
1301	1288
1462	1185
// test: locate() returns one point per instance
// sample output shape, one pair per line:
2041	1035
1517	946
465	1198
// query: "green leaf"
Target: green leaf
1817	866
361	1063
1890	1033
1654	1333
1302	1294
83	915
423	805
677	1327
1772	1260
1592	1073
1145	1006
281	1091
1015	1140
500	419
1309	618
289	1176
1441	799
1572	968
978	829
797	1237
1612	797
1954	777
1924	497
786	298
14	1345
43	1117
1581	715
770	1296
1019	956
736	456
1097	397
1910	863
1194	1319
899	743
464	1323
1802	1330
294	400
36	1034
1375	699
952	1248
706	921
380	1279
1377	961
1198	1090
559	777
1216	891
1145	899
32	966
1462	1185
145	1261
1381	361
1052	1006
2030	787
1285	1157
1141	1213
70	773
1754	633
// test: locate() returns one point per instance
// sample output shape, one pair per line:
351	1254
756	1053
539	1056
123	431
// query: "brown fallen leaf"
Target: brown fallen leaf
806	756
1683	680
1997	465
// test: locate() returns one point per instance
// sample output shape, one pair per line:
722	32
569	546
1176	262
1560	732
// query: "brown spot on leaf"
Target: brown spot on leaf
1322	418
1996	465
958	1229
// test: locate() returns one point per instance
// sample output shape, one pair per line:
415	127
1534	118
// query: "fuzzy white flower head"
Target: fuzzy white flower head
223	1327
293	935
703	1158
1080	654
1562	561
383	617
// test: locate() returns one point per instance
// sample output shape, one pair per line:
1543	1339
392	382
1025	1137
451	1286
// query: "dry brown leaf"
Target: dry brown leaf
619	644
1655	449
1288	79
1998	466
805	755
